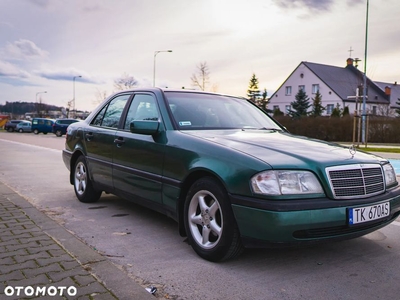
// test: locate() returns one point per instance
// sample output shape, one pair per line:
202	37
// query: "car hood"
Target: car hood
281	149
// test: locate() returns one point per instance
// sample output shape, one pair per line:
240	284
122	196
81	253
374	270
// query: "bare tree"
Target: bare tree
100	96
125	82
202	77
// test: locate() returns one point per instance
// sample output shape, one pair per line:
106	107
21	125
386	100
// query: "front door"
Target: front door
138	159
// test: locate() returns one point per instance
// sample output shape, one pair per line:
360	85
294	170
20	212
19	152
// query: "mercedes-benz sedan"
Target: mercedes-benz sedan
229	174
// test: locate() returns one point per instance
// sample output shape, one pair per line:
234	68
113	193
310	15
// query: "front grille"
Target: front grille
356	181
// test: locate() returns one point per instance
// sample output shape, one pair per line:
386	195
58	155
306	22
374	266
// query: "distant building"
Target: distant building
336	85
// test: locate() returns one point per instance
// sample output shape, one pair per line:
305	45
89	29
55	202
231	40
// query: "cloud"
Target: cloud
24	50
10	70
41	3
312	5
68	75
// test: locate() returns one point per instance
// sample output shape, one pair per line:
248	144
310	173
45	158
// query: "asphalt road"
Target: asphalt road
147	245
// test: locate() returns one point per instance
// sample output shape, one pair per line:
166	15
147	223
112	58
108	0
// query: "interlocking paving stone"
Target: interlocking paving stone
31	258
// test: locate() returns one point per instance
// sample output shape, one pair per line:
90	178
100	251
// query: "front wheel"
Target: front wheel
36	131
20	130
209	221
83	186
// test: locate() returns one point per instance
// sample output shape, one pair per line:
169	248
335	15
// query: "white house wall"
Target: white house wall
308	78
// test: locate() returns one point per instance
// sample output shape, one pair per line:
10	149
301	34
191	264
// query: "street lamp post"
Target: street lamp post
154	65
365	79
73	99
39	106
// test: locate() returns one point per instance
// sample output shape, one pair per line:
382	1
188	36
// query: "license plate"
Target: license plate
359	215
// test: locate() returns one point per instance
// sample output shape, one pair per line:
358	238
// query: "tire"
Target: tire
209	221
10	129
36	131
83	186
59	133
21	130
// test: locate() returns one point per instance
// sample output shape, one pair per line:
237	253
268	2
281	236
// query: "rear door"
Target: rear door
99	139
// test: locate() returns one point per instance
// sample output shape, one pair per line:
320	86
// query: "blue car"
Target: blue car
42	125
60	126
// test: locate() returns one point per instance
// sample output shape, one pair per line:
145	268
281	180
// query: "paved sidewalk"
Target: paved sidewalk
38	256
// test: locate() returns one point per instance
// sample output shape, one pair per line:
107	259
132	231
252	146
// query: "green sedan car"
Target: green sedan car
229	174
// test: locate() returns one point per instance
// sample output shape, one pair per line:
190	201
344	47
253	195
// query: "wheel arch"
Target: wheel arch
74	158
186	184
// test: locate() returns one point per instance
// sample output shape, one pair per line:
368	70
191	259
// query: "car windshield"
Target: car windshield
193	111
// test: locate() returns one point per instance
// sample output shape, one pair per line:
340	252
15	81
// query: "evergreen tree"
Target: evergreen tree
264	101
398	109
317	108
336	112
345	111
253	92
300	105
278	112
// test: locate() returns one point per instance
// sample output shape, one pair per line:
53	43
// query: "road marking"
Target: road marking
29	145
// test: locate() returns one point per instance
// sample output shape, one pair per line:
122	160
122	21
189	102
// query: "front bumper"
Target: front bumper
263	226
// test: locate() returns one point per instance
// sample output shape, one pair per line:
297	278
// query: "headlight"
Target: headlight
390	175
285	183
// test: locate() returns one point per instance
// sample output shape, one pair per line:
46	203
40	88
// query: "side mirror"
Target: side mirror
144	127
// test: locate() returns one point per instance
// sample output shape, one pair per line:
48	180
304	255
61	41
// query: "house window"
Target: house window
288	91
276	107
287	109
374	110
315	88
329	109
301	87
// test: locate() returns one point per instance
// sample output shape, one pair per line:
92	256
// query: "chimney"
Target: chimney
387	90
350	61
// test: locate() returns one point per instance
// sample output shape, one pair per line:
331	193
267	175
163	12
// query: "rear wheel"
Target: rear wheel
209	221
10	129
83	186
58	133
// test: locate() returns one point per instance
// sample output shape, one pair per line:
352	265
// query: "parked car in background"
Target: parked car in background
42	125
24	126
60	126
11	125
228	173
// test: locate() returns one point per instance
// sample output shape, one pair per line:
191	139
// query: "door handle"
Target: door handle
89	136
119	141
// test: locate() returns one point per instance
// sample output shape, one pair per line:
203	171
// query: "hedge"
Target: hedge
334	129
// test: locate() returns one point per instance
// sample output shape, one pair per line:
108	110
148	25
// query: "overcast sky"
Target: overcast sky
45	43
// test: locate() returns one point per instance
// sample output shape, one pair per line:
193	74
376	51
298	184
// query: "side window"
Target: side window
111	113
143	107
